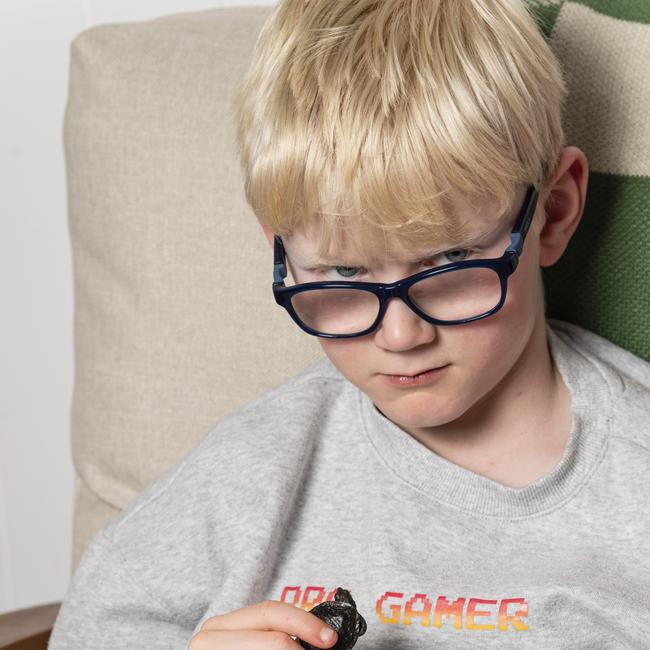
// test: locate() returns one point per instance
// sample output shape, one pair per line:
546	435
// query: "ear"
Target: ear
269	234
564	202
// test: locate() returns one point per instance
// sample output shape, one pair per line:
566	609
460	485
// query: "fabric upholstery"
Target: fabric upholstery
602	282
175	322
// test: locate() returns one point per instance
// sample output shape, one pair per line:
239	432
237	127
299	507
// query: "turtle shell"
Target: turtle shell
340	614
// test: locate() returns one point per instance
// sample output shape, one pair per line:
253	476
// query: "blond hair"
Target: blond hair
362	117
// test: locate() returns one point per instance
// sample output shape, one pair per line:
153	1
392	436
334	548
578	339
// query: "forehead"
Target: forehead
474	226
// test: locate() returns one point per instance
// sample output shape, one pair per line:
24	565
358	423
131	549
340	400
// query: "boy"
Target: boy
460	465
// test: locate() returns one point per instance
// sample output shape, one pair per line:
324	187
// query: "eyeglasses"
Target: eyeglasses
455	293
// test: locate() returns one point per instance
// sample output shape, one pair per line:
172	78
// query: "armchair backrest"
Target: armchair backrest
175	322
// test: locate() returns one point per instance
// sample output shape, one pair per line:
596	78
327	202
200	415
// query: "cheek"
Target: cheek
525	291
483	345
493	342
347	355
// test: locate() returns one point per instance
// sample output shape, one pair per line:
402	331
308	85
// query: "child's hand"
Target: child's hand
268	625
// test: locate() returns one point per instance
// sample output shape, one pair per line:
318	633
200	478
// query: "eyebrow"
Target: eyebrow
306	260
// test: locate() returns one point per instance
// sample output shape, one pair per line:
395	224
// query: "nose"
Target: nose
402	329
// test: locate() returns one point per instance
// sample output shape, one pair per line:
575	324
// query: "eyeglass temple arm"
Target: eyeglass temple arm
520	229
279	267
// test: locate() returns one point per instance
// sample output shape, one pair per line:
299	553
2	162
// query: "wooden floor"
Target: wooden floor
28	629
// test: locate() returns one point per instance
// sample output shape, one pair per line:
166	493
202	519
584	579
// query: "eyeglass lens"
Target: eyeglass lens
454	295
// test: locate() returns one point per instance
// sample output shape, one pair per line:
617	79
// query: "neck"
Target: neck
518	431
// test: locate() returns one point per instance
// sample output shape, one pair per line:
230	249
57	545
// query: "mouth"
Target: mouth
424	378
417	374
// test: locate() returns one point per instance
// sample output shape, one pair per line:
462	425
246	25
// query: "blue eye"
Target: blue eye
354	269
447	257
351	272
455	252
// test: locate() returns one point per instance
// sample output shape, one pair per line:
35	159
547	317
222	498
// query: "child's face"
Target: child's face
477	356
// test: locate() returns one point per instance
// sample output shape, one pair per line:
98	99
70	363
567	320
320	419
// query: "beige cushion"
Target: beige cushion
175	321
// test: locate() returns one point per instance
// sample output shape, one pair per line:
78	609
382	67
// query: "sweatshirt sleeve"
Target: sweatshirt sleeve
106	608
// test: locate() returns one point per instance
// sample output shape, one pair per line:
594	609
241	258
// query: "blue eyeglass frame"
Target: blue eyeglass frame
504	266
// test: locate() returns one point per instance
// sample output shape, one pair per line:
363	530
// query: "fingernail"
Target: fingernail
327	634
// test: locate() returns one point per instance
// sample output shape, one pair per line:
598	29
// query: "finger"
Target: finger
274	615
243	640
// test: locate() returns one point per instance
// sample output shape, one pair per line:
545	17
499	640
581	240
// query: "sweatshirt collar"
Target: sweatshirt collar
440	479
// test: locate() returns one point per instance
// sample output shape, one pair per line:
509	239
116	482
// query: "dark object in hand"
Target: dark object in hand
340	614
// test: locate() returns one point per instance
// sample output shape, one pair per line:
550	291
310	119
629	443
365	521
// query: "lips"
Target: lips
419	372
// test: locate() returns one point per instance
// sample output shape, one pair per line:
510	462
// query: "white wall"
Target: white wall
36	300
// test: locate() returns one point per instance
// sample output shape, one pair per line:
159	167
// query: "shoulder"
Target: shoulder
627	377
262	446
284	408
630	368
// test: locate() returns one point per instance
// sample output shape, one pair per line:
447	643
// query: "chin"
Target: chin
421	412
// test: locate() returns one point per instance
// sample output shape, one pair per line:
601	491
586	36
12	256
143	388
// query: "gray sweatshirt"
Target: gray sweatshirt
309	487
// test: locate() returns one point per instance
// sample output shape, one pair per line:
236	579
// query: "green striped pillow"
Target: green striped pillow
602	282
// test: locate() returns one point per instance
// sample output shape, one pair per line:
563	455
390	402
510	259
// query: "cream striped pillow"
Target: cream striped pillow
603	280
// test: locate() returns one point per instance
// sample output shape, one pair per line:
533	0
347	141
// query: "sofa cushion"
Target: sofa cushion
602	282
175	321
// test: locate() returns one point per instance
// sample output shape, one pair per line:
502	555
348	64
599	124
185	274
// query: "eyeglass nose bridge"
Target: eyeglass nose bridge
397	290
